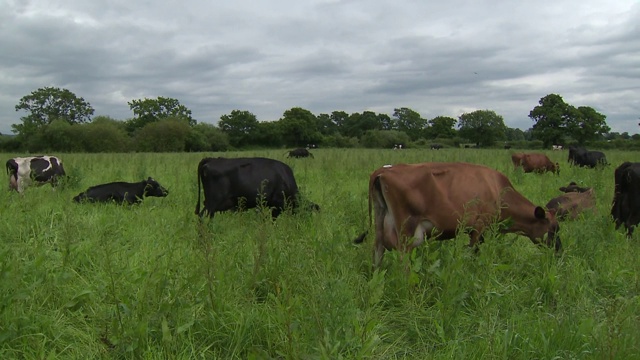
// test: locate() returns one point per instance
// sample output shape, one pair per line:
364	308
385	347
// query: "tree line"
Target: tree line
58	120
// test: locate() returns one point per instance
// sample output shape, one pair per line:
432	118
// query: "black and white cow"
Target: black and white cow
121	192
242	183
34	169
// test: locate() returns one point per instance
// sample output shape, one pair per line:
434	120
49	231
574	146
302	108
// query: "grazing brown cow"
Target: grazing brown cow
414	201
572	204
535	162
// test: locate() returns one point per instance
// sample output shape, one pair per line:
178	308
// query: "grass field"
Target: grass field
81	281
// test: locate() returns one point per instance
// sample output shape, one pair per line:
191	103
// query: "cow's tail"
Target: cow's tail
361	237
199	181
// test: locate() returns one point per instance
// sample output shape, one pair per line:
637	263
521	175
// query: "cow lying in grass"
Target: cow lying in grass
122	192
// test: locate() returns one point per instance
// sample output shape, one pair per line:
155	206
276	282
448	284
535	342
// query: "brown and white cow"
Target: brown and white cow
572	203
416	201
39	169
535	162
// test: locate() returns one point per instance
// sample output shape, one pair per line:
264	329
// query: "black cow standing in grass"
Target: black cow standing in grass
34	169
626	196
299	153
122	192
244	183
583	157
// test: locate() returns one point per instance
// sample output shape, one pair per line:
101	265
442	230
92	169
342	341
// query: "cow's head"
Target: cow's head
153	188
546	224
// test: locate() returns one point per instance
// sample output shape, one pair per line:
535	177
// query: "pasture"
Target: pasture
151	281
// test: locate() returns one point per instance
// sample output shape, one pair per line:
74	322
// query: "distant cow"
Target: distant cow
299	153
626	197
572	204
507	147
436	146
243	183
398	147
415	201
39	169
583	157
573	187
556	147
122	192
535	162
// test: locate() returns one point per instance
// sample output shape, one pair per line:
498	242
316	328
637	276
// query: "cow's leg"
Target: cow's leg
475	239
632	221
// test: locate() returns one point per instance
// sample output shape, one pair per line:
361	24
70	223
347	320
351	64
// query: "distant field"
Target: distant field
149	281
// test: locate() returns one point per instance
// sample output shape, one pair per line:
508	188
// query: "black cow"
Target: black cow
583	157
121	192
243	183
39	169
436	146
299	153
626	197
507	147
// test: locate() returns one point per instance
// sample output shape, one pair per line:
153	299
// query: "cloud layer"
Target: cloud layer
326	55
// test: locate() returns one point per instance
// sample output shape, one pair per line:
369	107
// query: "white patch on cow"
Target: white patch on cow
387	166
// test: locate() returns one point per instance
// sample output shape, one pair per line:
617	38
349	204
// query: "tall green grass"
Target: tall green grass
153	281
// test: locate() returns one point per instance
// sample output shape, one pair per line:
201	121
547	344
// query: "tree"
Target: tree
48	104
409	122
339	118
146	111
240	126
555	119
483	127
299	127
587	125
357	124
442	127
166	135
514	134
206	137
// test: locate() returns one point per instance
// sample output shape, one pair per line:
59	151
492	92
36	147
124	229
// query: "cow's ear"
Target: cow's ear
539	213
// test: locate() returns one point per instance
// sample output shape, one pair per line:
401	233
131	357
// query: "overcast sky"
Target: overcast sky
265	57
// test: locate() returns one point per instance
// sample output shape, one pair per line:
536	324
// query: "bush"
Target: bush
385	139
166	135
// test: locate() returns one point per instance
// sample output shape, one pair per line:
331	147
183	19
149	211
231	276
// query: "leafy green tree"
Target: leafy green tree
48	104
384	139
240	126
105	135
339	118
441	127
147	111
299	127
483	127
551	118
59	136
587	125
357	124
206	137
514	134
409	122
269	134
166	135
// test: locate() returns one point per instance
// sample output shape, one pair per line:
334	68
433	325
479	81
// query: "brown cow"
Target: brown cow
516	159
535	162
571	204
573	187
414	201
